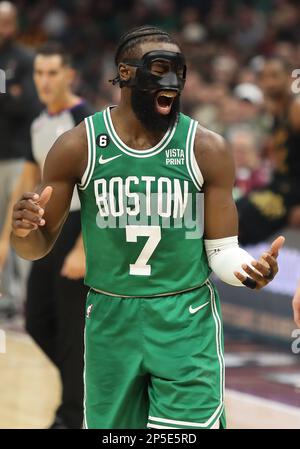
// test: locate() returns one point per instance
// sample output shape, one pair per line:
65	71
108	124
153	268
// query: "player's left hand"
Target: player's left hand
265	269
74	264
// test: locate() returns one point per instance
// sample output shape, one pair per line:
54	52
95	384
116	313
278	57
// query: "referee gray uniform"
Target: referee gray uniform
54	308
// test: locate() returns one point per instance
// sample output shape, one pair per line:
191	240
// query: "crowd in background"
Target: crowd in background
225	42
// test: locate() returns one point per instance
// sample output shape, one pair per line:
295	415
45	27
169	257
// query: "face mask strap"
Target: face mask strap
130	82
115	80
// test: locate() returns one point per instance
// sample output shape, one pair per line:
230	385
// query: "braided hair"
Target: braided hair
129	41
137	36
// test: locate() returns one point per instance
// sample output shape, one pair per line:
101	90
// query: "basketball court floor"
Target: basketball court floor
262	384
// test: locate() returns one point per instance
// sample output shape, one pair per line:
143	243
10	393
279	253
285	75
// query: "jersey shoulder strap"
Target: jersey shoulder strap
186	130
93	125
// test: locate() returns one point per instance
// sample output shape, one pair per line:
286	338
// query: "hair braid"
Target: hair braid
138	35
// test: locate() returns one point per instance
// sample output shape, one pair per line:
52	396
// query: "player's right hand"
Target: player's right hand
28	212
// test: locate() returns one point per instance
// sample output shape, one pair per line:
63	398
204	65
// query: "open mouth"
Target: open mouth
164	100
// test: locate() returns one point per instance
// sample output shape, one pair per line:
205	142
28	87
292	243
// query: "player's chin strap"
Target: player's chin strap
225	257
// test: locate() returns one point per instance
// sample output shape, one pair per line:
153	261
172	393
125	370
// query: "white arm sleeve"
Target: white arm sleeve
225	256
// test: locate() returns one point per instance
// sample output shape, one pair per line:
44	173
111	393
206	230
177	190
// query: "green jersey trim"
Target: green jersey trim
218	323
157	422
130	151
90	132
194	164
169	293
191	162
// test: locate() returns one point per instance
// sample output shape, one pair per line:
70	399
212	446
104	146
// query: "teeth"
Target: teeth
168	94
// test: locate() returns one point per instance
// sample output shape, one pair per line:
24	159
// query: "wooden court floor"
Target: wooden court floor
30	391
29	385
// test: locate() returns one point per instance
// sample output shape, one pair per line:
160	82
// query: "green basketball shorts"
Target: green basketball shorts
154	362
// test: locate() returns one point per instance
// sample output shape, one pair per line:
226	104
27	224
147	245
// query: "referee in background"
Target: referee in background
54	310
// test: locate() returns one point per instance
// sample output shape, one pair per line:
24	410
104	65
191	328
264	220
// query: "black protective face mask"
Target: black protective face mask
143	105
147	81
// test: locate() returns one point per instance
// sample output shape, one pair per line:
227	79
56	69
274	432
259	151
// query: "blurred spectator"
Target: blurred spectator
252	97
250	28
219	36
251	173
55	300
246	75
265	211
214	110
224	69
54	23
226	43
285	20
165	14
192	31
18	106
251	110
228	114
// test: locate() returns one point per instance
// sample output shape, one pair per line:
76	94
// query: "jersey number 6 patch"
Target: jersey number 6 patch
102	140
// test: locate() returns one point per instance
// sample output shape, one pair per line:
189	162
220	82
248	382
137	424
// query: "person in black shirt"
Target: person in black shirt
18	106
54	310
265	211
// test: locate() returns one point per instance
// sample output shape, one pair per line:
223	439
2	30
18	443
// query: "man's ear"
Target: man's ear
71	75
125	71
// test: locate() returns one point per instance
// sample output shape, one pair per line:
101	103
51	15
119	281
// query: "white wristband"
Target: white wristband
225	257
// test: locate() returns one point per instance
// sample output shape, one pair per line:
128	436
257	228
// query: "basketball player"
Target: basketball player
54	309
153	338
267	210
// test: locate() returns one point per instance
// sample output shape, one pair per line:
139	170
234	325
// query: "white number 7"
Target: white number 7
140	267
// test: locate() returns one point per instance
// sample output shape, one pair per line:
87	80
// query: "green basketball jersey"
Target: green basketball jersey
142	212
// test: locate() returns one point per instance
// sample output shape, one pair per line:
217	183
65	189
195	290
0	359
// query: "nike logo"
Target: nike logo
194	310
104	161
